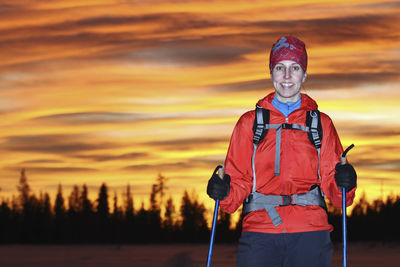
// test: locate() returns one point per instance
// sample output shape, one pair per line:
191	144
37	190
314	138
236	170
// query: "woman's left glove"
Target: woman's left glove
345	176
218	188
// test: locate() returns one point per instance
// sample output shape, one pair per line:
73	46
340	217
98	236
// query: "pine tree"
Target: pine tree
129	208
85	206
102	211
46	206
59	207
161	187
73	201
115	205
23	189
74	226
153	198
169	214
194	224
60	216
102	206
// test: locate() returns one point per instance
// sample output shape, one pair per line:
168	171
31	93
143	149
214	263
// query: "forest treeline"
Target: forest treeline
28	218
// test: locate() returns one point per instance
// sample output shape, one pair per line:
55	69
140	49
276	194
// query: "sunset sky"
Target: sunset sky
119	91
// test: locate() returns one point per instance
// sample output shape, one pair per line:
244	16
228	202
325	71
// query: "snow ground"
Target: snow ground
174	255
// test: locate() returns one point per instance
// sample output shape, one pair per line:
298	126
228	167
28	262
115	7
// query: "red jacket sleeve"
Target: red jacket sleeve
238	163
331	151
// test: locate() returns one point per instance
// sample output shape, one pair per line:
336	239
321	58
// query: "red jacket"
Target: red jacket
298	170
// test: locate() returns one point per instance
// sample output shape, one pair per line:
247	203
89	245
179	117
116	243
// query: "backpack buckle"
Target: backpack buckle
249	198
286	126
286	200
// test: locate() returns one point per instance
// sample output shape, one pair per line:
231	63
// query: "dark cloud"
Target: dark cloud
96	117
185	50
368	131
194	55
101	158
187	165
51	169
40	161
314	82
159	167
53	143
187	144
387	5
167	21
348	80
329	31
252	85
378	164
120	117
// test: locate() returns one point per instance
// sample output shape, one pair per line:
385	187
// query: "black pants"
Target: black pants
306	249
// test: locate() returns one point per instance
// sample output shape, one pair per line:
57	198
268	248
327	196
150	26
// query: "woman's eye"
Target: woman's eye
296	68
278	68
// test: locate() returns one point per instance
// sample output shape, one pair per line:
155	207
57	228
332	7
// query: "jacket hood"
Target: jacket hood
307	103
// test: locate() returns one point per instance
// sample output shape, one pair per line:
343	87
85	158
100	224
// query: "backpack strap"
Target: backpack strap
260	131
261	119
313	122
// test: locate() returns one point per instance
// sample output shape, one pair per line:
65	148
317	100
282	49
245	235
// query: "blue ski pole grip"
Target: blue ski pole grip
214	224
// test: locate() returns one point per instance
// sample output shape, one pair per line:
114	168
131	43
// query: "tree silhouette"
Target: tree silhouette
154	205
23	189
102	203
6	223
60	216
85	205
117	222
103	233
223	231
73	201
154	214
129	207
169	225
74	215
44	218
161	187
30	219
86	216
194	224
59	206
169	214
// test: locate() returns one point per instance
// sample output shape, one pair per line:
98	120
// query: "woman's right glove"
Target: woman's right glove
218	188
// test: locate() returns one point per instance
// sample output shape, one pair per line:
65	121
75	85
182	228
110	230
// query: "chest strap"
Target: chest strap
259	201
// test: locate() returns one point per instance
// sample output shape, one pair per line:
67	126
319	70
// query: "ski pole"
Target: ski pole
344	222
214	224
215	218
344	227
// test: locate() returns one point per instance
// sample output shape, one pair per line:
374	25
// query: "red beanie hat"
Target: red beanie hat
288	48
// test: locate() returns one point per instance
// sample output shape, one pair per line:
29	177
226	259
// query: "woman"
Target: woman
281	171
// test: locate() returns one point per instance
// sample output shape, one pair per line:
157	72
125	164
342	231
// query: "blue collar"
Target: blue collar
286	107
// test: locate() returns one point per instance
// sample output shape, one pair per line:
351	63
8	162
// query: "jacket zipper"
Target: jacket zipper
283	181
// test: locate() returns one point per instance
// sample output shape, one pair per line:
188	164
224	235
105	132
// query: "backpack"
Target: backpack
261	126
255	200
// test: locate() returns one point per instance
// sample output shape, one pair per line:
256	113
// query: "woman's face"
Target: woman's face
287	77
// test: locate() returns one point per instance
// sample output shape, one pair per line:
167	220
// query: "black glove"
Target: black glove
345	176
218	188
